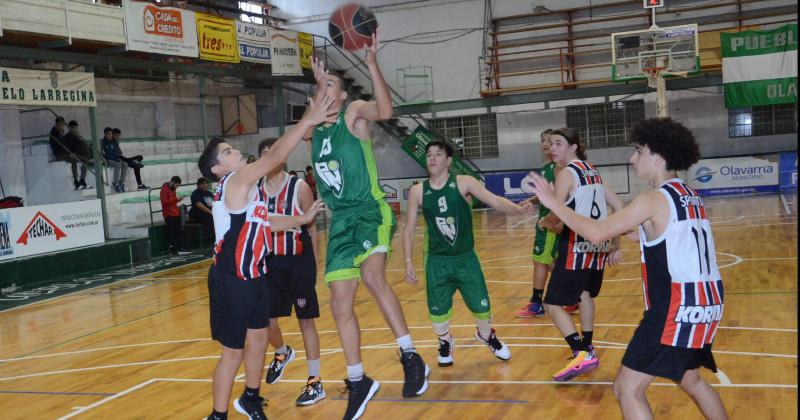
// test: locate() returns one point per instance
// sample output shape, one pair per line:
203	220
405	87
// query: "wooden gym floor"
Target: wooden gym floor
143	352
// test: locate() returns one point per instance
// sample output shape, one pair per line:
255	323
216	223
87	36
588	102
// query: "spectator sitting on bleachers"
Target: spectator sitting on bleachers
75	150
62	153
201	207
112	154
172	215
134	162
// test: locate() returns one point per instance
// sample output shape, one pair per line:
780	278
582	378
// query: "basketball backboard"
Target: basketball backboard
673	49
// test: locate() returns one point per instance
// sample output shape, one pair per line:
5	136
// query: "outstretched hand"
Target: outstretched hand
543	190
372	48
319	70
320	113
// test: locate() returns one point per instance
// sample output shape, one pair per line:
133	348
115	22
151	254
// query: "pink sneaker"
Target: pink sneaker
582	362
530	310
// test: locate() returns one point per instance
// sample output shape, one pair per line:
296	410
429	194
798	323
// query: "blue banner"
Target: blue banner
788	170
508	185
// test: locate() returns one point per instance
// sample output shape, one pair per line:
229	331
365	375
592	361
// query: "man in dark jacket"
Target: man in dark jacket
134	162
113	155
71	148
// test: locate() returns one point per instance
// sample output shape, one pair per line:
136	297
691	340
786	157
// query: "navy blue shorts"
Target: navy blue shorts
235	306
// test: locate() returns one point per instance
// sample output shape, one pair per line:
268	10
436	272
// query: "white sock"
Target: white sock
355	373
484	327
405	343
443	330
283	349
313	367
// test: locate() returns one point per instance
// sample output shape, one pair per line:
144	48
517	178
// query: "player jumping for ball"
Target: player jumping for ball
361	229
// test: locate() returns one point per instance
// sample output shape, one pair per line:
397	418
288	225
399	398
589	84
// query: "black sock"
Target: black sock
216	415
251	393
575	342
587	337
537	295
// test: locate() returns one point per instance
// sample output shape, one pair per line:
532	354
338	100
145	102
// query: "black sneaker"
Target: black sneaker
360	393
312	392
446	349
143	187
416	374
275	369
77	184
82	184
253	409
498	348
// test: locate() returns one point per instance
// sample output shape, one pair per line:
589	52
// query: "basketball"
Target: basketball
351	26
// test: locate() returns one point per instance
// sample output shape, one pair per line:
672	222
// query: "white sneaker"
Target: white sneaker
446	350
498	348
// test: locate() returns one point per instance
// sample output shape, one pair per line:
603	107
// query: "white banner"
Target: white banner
37	87
162	30
27	231
397	190
744	175
285	53
254	42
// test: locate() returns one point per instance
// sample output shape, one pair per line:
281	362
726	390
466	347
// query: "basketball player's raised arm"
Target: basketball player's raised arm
318	67
282	223
380	108
306	201
476	188
638	211
412	209
279	152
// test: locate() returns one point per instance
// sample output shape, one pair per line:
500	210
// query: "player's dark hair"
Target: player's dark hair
265	144
545	132
208	158
59	119
572	137
668	139
448	149
176	180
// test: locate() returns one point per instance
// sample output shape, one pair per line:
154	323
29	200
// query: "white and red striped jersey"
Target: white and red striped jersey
242	234
286	202
588	199
683	293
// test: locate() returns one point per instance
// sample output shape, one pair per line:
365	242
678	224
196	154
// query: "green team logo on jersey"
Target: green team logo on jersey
329	172
447	227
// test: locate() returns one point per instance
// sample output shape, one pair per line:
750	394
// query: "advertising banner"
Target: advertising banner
27	231
253	42
216	37
743	175
285	53
508	185
162	30
397	191
52	88
306	44
788	168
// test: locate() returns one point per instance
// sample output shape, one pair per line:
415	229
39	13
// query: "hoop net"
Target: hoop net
653	74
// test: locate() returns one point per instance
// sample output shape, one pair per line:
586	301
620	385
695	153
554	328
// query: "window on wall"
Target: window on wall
762	120
252	8
474	135
605	125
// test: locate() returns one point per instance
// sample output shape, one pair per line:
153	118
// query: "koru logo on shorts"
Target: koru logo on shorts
484	303
367	244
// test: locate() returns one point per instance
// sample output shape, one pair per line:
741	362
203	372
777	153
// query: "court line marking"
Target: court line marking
392	346
188	340
530	219
107	399
102	285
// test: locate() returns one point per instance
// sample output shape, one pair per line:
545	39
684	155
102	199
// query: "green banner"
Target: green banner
753	42
761	92
760	67
415	144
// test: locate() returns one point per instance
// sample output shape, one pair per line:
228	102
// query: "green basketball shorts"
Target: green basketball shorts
446	274
545	250
356	233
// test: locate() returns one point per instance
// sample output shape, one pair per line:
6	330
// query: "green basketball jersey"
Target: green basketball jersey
449	219
548	173
344	166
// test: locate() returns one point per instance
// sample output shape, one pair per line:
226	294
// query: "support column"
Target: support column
203	109
98	166
280	106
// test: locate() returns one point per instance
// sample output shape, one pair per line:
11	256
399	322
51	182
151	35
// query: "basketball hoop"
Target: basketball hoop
653	74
